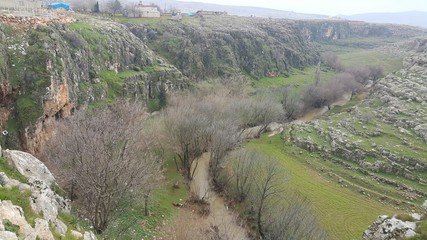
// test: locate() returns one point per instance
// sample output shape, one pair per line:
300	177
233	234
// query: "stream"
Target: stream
220	216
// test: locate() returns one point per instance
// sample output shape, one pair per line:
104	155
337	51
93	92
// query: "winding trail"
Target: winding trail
220	216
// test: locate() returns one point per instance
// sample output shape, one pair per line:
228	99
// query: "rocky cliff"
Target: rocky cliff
48	70
323	30
206	47
218	46
31	206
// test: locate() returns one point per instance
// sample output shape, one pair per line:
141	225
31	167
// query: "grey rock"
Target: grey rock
89	236
46	201
60	227
385	228
8	235
76	234
421	131
29	166
42	230
15	215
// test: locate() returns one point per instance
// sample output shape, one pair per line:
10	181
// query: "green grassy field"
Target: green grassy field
390	63
297	79
344	213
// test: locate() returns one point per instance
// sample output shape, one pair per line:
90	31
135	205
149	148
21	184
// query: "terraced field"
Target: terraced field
344	213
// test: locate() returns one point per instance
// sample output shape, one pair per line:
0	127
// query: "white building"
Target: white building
149	11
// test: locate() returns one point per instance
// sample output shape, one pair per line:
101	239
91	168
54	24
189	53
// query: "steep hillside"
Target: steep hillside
377	147
206	47
219	46
49	70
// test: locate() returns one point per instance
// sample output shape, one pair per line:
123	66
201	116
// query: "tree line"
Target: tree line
347	80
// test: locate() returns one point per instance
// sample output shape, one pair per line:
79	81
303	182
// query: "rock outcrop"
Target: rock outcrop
45	202
48	71
386	228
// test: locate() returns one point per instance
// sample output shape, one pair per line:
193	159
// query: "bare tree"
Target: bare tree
268	186
291	104
348	83
330	59
257	112
293	220
114	6
103	157
189	131
224	138
376	72
244	169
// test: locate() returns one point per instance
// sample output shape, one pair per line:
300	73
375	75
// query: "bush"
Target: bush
73	39
28	111
8	226
405	217
153	105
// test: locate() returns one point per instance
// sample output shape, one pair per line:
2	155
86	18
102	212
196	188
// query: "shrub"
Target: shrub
73	39
405	217
8	226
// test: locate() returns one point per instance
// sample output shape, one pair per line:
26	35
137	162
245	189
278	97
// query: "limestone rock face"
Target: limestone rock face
15	215
385	228
42	230
46	201
43	200
29	166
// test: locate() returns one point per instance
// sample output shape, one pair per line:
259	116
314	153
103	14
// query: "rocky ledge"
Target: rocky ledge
44	202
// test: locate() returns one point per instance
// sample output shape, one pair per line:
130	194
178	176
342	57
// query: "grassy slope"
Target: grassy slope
131	222
344	213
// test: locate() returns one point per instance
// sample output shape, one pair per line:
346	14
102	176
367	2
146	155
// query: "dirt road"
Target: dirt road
220	216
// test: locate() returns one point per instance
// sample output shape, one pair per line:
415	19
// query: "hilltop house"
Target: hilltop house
149	11
29	6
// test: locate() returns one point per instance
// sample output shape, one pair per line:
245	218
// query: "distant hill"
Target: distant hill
418	19
235	10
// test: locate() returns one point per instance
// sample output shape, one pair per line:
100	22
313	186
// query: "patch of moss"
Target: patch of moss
21	199
58	190
8	226
10	172
27	111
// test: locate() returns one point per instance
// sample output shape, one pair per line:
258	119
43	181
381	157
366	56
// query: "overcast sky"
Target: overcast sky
330	7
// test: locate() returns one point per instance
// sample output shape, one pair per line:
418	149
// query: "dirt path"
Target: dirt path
220	216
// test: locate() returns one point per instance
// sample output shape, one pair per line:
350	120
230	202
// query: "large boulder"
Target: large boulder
421	131
385	228
29	166
46	201
42	230
15	215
